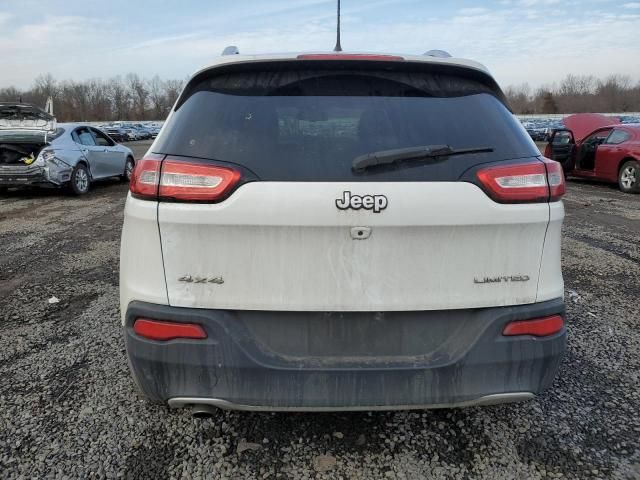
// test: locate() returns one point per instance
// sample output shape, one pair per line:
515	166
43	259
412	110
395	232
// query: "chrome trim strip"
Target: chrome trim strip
493	399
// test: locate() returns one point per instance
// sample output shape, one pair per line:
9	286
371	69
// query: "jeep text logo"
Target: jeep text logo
377	203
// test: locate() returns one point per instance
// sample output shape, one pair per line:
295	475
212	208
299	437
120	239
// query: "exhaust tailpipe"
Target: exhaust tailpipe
203	411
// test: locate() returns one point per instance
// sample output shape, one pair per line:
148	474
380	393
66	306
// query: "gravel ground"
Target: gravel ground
69	408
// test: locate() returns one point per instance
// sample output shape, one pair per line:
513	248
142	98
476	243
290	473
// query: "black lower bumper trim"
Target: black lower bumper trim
244	364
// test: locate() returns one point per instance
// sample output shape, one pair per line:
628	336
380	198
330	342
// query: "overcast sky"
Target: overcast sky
534	41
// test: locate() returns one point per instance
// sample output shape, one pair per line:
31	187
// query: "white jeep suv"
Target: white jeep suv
343	232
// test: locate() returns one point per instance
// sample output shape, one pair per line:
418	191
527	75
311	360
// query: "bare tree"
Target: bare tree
614	92
173	89
99	99
157	96
120	99
44	86
10	94
135	98
579	93
519	98
139	94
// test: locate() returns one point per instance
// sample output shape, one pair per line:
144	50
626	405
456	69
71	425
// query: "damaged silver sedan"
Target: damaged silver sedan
36	151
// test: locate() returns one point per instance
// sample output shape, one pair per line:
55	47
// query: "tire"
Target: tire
80	181
128	169
629	177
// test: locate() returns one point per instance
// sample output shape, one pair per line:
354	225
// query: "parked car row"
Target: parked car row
117	133
540	129
131	132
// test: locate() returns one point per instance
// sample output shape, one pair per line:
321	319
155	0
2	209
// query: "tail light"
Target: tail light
540	327
164	331
523	182
555	177
183	181
144	178
195	181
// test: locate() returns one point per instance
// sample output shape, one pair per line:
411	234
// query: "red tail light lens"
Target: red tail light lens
164	331
195	181
540	327
523	182
145	176
517	183
171	179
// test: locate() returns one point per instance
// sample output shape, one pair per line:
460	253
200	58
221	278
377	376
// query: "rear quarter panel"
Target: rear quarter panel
141	270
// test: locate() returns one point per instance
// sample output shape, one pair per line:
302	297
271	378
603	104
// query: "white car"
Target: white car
342	232
132	134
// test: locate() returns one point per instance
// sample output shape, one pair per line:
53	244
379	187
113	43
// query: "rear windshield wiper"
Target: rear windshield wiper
387	157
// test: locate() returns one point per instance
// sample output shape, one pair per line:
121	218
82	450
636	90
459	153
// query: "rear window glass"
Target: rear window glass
309	125
618	136
562	138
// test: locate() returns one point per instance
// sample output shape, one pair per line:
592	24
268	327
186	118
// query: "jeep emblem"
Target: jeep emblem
377	203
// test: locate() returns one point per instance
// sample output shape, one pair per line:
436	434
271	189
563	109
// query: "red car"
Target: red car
598	147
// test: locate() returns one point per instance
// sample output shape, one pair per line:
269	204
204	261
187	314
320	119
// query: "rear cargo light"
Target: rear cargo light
163	331
540	327
185	181
523	182
349	56
144	178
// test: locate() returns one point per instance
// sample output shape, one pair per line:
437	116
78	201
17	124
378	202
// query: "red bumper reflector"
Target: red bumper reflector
539	327
159	330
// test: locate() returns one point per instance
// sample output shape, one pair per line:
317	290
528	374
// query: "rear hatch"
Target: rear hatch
302	229
24	123
24	131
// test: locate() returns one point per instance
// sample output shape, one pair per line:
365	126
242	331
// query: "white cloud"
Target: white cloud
536	3
631	5
472	11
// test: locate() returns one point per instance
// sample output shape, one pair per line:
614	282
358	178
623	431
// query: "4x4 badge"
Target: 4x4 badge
377	203
190	279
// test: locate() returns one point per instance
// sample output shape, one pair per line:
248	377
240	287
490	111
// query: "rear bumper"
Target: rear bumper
22	176
350	361
35	175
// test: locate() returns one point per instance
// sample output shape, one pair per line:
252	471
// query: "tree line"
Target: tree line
119	98
135	98
577	94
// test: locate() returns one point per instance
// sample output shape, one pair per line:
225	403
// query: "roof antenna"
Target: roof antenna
338	47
